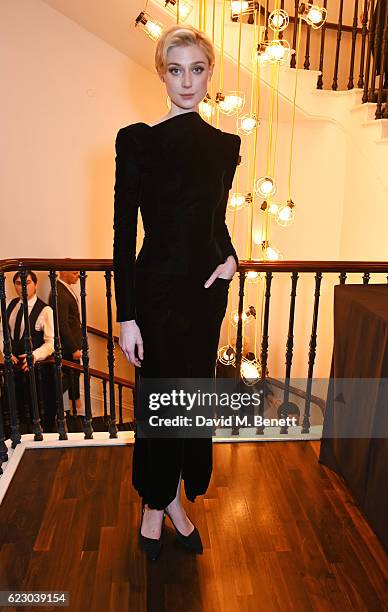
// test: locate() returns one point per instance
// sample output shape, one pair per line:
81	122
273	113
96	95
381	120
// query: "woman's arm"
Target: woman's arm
126	203
221	232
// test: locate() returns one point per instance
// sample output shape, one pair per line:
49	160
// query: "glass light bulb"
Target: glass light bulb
252	275
206	109
237	201
278	20
250	371
247	123
263	57
227	355
273	208
265	186
286	214
276	52
153	30
314	15
271	253
239	7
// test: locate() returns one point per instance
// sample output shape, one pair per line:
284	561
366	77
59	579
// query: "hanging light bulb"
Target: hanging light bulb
265	186
314	15
279	51
270	253
230	102
206	107
252	276
246	124
286	214
262	54
271	207
150	26
278	20
237	201
185	8
226	355
258	238
246	316
250	371
243	7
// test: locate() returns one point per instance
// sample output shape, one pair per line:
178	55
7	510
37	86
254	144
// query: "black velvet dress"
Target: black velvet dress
179	172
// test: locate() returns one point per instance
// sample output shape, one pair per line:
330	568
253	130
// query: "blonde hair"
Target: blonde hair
181	36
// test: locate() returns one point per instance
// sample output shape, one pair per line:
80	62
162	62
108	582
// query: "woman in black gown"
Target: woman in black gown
172	299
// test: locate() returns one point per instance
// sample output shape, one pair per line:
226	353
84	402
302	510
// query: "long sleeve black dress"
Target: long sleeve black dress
179	172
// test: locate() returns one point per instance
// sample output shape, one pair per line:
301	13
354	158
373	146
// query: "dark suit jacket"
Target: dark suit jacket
68	320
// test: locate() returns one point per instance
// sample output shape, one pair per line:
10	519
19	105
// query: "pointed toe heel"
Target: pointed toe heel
151	546
192	541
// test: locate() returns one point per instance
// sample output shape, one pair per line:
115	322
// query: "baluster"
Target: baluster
293	56
354	38
240	326
39	391
368	54
342	278
120	404
105	400
383	66
365	278
264	349
72	385
61	421
3	446
8	368
306	64
264	340
321	53
88	430
364	30
337	51
36	427
312	354
111	357
284	407
282	8
372	97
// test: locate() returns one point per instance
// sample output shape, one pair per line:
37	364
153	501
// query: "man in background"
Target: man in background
41	322
69	323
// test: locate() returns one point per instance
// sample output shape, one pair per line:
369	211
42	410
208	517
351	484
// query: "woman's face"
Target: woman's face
187	76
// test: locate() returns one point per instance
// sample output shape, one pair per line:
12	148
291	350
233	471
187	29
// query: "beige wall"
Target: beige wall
65	95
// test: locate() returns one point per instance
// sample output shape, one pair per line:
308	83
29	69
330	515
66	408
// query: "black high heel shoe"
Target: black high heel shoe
151	546
192	541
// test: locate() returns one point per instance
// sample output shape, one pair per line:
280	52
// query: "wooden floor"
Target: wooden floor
279	531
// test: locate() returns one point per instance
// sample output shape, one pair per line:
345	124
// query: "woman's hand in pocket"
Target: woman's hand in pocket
225	270
130	338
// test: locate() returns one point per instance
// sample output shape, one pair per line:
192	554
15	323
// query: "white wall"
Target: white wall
65	95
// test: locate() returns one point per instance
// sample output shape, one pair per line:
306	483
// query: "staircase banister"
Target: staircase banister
312	266
43	264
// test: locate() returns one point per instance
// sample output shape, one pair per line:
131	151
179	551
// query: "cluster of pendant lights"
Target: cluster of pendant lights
232	102
276	51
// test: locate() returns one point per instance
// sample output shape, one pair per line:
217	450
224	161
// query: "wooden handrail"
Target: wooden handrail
313	266
101	334
94	373
102	265
124	382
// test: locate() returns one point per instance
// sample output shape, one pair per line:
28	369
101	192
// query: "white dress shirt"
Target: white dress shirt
44	322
